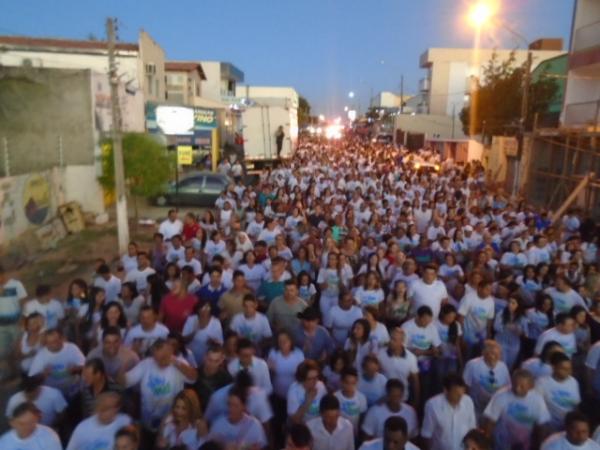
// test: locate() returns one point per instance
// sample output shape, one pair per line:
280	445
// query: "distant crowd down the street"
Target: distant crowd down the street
359	296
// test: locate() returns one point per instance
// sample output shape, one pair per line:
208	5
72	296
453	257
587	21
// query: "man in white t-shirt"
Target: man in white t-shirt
395	437
560	390
108	282
449	416
48	400
12	297
171	226
99	430
476	312
140	275
513	414
160	378
189	259
60	362
51	309
428	291
393	405
576	436
144	334
257	367
27	433
353	403
562	332
331	431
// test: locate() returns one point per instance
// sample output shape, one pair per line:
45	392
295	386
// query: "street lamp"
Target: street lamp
481	13
346	109
351	94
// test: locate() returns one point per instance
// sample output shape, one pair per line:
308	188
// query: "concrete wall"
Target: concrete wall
29	201
151	53
433	126
211	87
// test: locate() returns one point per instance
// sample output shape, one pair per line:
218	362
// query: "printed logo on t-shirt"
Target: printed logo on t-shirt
158	386
563	399
350	408
59	372
420	341
520	414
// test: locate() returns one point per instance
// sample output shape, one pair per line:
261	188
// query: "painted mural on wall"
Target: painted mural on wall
36	199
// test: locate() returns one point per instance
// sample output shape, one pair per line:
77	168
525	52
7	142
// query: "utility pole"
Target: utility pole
121	198
522	120
401	94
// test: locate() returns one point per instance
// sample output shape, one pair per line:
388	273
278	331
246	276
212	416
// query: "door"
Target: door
189	191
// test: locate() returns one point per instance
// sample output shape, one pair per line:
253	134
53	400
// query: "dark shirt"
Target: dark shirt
315	347
206	385
207	293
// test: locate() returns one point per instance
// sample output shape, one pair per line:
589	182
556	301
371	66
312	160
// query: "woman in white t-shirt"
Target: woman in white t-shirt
31	341
131	302
371	293
112	316
305	394
184	426
201	328
359	344
253	273
283	362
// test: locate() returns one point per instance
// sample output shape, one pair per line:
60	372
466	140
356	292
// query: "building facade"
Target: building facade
452	71
582	94
183	82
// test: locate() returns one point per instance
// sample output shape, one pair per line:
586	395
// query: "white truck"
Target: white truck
268	108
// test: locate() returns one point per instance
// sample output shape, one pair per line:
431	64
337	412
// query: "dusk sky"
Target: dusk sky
323	48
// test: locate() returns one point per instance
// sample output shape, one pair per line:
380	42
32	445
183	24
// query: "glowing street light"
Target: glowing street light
346	109
351	94
481	13
321	118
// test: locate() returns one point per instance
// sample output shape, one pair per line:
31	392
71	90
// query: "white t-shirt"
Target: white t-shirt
567	341
257	404
377	444
140	277
158	386
340	321
175	255
147	338
374	389
169	229
483	381
254	328
399	367
258	369
477	312
515	417
194	264
377	415
421	338
558	441
60	364
247	433
53	311
42	438
112	287
50	402
284	369
11	293
564	301
352	407
90	434
129	262
201	336
366	297
447	425
423	294
132	311
342	437
254	275
295	398
561	397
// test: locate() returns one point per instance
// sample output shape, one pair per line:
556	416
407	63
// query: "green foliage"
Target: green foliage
498	96
303	112
147	164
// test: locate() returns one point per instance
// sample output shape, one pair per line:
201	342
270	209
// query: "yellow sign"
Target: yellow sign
184	154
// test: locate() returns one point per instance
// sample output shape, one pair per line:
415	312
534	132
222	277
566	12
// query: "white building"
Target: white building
582	94
451	71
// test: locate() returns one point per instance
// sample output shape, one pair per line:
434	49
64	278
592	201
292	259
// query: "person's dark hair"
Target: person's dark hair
42	290
366	327
215	269
558	358
132	288
479	438
201	304
394	424
237	274
291	282
561	318
129	431
243	380
453	329
122	317
211	445
33	315
349	371
306	366
394	383
24	408
244	343
453	380
158	289
575	310
575	416
337	355
83	287
329	402
111	331
300	436
97	365
103	269
545	353
31	383
250	297
540	298
177	337
424	311
239	393
519	312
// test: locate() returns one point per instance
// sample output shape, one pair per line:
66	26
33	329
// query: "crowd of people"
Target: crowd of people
352	299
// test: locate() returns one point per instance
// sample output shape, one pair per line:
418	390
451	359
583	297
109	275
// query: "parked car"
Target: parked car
197	189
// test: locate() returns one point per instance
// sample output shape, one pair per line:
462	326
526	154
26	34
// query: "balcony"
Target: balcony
585	114
587	37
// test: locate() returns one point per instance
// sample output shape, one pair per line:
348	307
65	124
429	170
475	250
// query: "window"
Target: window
191	185
214	184
150	84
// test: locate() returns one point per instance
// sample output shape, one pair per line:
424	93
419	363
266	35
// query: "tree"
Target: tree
147	165
303	112
498	97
